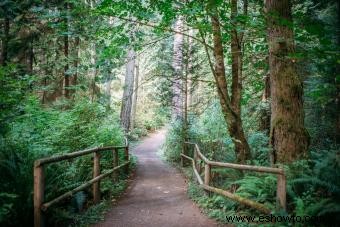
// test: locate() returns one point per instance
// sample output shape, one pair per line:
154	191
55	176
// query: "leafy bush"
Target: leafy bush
39	132
173	142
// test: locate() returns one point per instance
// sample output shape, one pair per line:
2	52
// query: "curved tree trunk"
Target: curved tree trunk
289	138
230	105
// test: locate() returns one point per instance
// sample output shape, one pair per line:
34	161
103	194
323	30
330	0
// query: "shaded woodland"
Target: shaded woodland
250	81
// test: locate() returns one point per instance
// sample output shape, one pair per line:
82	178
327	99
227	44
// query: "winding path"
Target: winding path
157	195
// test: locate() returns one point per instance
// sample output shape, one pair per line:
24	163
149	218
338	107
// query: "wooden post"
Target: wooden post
207	172
115	164
39	187
281	191
126	158
195	158
96	172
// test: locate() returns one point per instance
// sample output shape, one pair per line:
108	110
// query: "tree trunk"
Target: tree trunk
4	42
288	136
66	68
190	69
75	64
186	92
337	99
125	115
265	112
108	91
135	97
177	65
230	106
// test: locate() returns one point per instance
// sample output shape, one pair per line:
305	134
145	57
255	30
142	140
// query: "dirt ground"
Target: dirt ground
157	196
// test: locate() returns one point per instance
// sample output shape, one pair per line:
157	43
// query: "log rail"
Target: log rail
205	184
40	206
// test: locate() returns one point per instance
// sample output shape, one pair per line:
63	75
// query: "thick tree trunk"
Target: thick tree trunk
337	99
190	70
186	93
135	97
125	114
289	138
230	108
177	65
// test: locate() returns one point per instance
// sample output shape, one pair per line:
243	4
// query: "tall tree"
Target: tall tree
4	41
177	104
230	104
135	96
125	114
66	51
288	136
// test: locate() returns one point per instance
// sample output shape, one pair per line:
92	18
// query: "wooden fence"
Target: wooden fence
281	179
40	206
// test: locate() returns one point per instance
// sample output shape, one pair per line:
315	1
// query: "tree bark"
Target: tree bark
135	96
66	67
230	105
177	65
187	93
75	64
190	69
265	113
125	115
337	99
288	136
4	42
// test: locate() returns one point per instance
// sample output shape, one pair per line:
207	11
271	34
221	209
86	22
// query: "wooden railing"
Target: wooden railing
281	179
40	206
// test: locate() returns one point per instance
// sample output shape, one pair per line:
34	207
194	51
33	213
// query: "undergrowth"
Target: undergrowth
31	131
313	187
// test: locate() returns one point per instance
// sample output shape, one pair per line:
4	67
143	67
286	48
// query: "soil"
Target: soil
157	196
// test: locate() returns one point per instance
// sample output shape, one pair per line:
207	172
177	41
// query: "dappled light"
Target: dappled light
169	113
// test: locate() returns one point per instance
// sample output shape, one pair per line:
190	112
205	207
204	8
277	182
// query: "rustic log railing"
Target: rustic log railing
281	179
40	206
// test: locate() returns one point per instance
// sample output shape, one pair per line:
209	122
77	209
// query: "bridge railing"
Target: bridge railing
40	206
208	165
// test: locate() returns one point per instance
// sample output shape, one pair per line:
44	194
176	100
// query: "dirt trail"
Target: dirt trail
157	196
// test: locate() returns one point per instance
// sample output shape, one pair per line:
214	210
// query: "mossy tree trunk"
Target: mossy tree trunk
289	138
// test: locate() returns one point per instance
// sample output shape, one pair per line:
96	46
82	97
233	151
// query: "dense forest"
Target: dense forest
250	81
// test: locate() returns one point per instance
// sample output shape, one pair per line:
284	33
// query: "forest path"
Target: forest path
157	195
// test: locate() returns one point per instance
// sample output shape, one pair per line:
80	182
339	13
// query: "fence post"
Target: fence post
96	172
207	172
126	158
115	164
281	191
39	187
195	158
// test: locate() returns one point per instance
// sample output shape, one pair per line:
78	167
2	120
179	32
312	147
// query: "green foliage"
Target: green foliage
174	142
39	132
212	134
317	191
